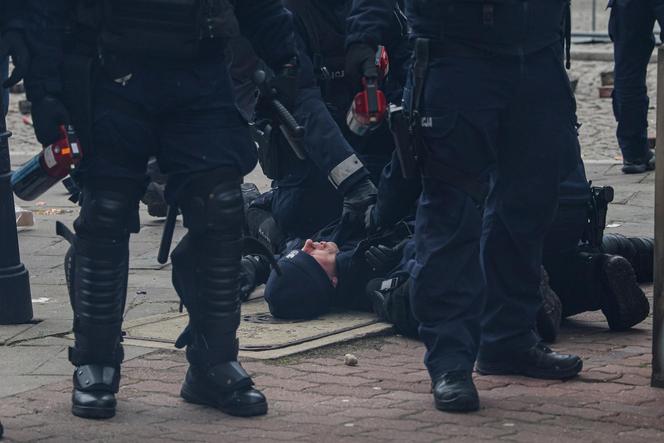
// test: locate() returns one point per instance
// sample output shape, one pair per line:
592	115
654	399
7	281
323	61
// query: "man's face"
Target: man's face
325	253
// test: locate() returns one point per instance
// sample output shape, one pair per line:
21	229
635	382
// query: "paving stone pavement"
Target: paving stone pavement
597	133
314	396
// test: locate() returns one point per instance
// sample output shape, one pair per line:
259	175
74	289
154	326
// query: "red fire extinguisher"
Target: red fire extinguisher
369	107
47	168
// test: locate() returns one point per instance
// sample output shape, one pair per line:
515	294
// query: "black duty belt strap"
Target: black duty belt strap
422	51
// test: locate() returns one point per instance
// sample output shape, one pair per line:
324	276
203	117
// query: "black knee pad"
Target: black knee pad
212	202
109	210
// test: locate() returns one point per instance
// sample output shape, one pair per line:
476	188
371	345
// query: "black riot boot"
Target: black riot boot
206	275
97	278
623	302
455	392
154	197
536	362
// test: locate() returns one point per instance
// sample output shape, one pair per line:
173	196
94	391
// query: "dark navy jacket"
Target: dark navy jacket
514	27
266	23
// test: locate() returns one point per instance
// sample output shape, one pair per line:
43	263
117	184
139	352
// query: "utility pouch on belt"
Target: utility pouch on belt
598	206
78	73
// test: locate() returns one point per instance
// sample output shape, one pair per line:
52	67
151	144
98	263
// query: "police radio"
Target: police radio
369	107
47	168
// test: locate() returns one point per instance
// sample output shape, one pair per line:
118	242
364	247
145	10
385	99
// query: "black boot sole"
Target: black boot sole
554	374
459	404
624	304
191	396
94	413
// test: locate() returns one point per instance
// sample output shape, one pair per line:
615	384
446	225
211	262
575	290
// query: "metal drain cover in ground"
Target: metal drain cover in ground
260	334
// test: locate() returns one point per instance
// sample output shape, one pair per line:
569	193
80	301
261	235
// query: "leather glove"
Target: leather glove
255	272
48	114
371	222
247	278
284	84
382	259
358	199
13	44
360	62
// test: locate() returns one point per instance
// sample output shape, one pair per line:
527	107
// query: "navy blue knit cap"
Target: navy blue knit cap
303	290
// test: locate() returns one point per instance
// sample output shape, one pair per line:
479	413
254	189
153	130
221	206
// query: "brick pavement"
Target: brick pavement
315	397
597	133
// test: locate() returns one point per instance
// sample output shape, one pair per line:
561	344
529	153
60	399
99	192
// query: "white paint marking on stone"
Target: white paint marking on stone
613	225
41	300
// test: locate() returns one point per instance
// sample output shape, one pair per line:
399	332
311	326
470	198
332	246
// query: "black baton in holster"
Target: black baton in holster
405	120
167	234
290	128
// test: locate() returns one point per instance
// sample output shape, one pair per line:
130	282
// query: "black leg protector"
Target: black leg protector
206	276
97	266
206	270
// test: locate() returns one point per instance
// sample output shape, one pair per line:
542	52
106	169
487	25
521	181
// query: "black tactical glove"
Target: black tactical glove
371	222
360	62
48	114
382	259
13	44
284	84
255	272
358	199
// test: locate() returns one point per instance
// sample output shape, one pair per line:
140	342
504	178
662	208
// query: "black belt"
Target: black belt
448	48
453	49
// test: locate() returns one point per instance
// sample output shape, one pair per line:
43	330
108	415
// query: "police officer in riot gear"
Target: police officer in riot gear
157	85
475	98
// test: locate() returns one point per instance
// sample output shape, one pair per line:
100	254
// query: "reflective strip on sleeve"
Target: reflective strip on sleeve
345	169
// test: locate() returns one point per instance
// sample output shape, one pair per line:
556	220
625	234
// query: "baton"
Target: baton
167	235
290	128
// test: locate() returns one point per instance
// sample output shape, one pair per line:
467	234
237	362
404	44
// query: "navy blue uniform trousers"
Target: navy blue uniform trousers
631	29
475	277
184	114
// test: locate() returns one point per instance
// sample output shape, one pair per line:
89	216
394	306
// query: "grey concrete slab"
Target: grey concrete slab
15	384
